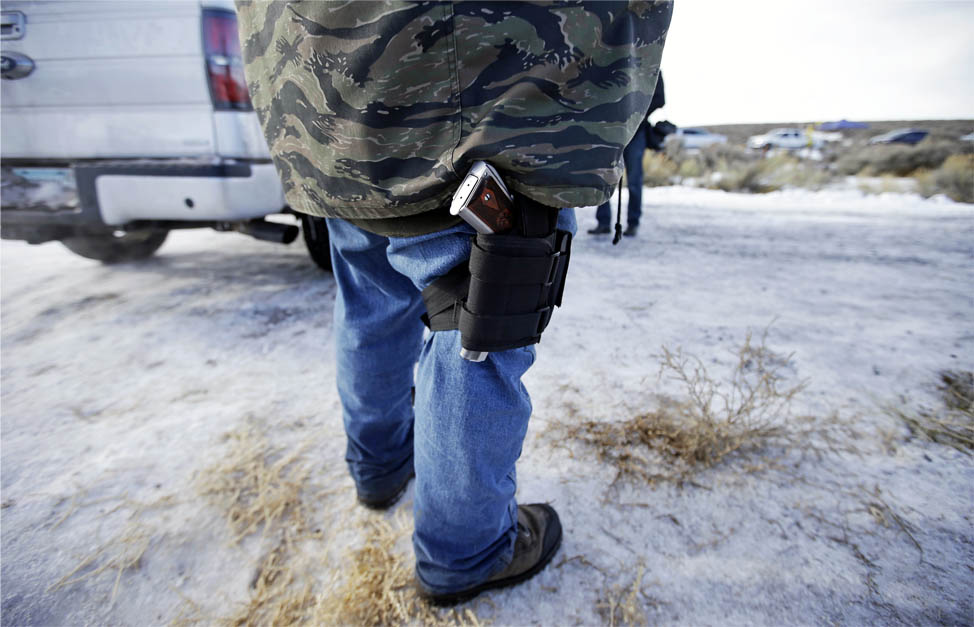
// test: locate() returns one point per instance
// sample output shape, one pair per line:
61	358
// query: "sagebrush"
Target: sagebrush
955	178
710	423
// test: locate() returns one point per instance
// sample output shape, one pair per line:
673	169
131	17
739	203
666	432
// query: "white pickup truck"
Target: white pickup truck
123	120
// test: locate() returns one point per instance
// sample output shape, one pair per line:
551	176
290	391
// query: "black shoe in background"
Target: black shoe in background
387	499
600	230
631	230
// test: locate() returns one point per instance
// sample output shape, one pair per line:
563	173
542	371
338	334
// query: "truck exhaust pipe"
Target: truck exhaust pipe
269	231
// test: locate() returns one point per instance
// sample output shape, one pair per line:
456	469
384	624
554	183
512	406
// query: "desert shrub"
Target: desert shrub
737	169
715	420
955	178
743	178
769	174
796	173
690	168
884	184
725	156
897	159
675	151
658	169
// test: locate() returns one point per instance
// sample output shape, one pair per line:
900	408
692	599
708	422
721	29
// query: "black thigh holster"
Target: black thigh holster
504	296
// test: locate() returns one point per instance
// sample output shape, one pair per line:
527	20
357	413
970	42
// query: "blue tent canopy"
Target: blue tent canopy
841	125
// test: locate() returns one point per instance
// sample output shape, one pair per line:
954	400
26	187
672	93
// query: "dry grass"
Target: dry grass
897	159
621	606
736	169
955	178
376	585
123	552
257	486
939	129
952	423
748	414
118	555
884	184
281	594
262	491
864	528
373	587
376	588
658	169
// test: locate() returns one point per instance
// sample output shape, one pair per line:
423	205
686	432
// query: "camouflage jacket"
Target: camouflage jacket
375	110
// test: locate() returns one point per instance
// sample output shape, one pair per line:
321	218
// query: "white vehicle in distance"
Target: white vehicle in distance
122	121
787	138
695	138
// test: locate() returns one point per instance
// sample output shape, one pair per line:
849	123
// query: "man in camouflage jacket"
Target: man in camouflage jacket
373	112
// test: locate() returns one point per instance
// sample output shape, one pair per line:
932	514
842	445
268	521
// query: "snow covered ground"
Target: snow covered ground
120	383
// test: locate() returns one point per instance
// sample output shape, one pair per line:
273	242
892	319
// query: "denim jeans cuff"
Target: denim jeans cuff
380	485
454	582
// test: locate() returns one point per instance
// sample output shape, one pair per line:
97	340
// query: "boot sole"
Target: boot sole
446	600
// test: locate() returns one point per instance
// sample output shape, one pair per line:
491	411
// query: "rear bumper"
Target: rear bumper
118	192
222	192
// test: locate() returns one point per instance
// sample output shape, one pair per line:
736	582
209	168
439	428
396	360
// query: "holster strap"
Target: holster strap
504	296
442	299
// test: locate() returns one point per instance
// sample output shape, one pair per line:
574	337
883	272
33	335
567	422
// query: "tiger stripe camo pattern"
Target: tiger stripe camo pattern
378	109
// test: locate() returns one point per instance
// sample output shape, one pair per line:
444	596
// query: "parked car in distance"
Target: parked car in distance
695	138
122	121
787	138
901	136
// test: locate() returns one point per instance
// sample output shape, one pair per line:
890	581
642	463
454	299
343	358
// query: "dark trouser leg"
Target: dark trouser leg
633	155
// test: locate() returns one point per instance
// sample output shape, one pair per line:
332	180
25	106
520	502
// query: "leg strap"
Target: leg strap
504	296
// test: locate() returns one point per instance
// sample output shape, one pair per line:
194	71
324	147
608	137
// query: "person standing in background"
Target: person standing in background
633	156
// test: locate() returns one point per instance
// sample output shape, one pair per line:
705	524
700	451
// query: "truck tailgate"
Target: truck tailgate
107	77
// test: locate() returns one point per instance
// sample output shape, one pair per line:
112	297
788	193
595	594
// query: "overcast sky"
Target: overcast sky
817	60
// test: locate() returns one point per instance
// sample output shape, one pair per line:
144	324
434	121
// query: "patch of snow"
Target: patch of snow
119	383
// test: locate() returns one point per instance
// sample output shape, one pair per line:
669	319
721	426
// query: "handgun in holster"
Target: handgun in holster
504	295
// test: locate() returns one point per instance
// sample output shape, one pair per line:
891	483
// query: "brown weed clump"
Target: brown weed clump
658	169
896	159
712	423
375	586
256	486
952	423
260	489
955	178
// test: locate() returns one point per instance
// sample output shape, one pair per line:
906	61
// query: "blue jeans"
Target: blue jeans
633	156
464	432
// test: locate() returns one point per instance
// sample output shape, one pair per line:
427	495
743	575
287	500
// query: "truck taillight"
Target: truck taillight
224	65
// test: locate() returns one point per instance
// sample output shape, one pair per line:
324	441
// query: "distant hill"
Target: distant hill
939	129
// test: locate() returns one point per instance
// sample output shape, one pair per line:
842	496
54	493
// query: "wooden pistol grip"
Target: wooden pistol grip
492	206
